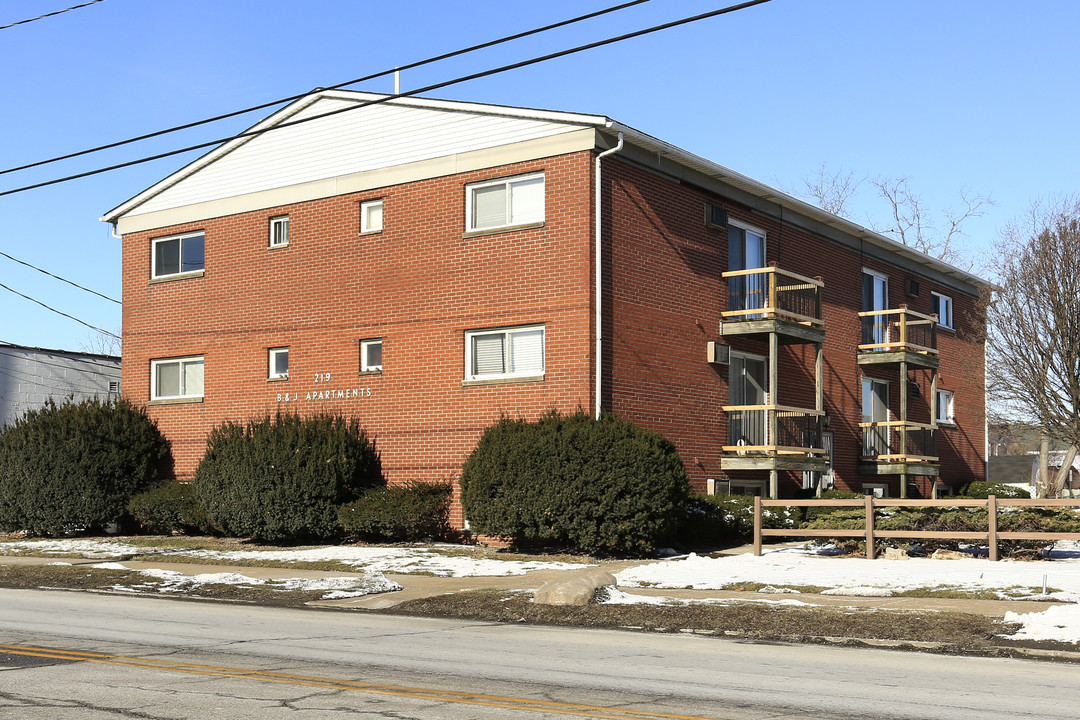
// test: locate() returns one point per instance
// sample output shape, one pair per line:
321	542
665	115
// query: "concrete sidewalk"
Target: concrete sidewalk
420	586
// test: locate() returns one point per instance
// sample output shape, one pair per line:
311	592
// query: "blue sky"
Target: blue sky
953	94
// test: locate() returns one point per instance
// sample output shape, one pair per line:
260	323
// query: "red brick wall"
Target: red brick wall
666	296
418	284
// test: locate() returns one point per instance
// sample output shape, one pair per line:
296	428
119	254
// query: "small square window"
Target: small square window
371	213
371	355
279	363
279	231
178	254
504	353
177	378
505	203
942	307
945	407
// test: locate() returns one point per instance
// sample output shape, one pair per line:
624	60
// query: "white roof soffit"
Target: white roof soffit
758	189
293	108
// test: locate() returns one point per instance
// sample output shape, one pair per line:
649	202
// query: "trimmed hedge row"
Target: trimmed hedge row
401	513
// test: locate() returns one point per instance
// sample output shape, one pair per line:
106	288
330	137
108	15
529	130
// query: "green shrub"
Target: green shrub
600	486
716	520
171	508
813	514
282	479
983	490
401	513
73	467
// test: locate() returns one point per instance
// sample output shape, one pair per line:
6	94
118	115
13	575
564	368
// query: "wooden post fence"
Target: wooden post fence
870	534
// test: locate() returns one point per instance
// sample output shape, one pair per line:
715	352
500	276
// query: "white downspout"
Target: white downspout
599	279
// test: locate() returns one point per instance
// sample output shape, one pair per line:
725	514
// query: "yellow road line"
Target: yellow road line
417	693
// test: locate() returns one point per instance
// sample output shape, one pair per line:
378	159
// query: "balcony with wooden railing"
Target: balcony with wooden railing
898	447
771	300
774	437
892	336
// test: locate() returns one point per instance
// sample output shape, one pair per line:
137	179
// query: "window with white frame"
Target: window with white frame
371	216
176	378
279	363
178	254
504	203
943	309
516	352
371	355
279	231
945	407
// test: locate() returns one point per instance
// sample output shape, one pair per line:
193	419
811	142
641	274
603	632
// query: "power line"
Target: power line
62	279
410	66
46	15
59	312
436	86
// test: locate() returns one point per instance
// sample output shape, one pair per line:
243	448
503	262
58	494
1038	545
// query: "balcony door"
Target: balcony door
748	381
746	251
875	297
875	409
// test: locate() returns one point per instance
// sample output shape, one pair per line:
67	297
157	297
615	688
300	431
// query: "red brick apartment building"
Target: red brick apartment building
428	265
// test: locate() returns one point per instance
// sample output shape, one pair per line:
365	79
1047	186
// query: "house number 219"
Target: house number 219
322	377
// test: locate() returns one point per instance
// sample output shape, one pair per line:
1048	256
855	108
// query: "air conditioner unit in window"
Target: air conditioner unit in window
719	353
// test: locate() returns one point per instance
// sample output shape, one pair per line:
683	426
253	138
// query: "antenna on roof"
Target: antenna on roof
397	81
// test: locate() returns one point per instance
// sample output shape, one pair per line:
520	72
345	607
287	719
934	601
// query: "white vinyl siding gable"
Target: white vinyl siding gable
506	202
176	378
505	353
367	138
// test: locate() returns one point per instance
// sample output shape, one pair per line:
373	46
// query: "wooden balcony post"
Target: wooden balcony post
870	551
757	525
817	299
771	279
991	517
903	325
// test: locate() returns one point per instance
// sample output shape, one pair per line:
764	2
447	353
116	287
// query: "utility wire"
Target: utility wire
59	312
46	15
428	88
62	279
410	66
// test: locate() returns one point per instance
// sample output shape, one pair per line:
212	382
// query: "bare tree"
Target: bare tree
100	343
1034	327
910	220
915	226
830	190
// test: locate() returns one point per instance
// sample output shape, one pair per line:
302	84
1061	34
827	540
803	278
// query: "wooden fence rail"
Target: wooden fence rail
870	534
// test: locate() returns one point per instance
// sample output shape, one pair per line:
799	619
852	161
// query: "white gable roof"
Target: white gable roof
360	132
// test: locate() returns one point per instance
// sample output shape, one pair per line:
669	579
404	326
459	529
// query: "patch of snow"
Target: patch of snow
395	560
861	591
1058	622
614	596
335	587
88	547
802	566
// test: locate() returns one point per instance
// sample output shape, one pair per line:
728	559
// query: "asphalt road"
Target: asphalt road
94	657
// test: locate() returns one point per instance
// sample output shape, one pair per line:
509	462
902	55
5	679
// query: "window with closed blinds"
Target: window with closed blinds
504	353
505	203
176	378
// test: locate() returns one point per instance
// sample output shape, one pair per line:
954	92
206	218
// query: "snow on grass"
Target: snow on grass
91	548
1058	622
614	596
859	576
439	560
423	560
170	581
